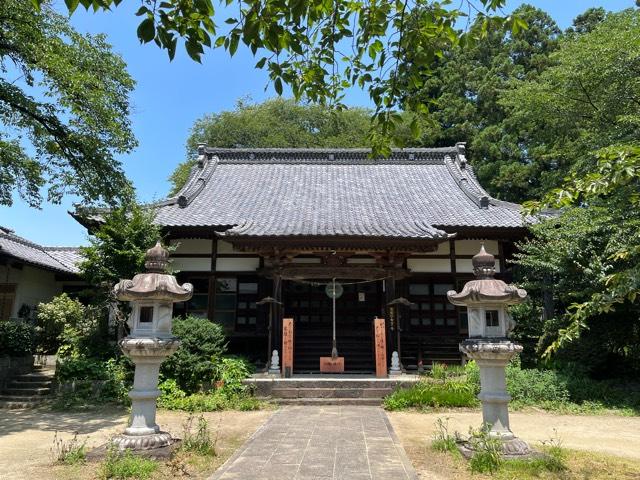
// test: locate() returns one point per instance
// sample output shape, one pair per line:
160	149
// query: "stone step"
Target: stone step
328	383
327	401
330	392
34	376
30	383
27	392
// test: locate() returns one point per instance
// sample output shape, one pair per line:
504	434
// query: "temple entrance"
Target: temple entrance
310	307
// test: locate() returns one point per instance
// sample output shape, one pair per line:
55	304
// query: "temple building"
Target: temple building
395	233
32	273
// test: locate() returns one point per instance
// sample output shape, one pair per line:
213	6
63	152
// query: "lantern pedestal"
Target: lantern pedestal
147	354
492	357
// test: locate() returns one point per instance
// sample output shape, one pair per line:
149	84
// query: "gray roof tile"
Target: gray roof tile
60	259
335	192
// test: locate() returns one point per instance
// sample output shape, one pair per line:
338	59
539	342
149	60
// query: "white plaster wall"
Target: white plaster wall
237	264
226	247
429	264
197	264
443	249
34	286
464	265
192	245
471	247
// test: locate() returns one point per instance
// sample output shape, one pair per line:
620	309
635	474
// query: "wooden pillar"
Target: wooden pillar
287	347
380	347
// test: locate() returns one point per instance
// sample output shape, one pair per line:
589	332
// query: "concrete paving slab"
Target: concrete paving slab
321	443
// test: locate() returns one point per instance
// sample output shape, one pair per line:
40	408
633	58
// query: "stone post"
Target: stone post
487	300
149	343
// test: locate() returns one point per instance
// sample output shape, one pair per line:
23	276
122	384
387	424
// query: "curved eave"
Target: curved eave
309	242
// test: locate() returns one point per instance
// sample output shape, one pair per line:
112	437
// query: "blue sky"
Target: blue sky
170	96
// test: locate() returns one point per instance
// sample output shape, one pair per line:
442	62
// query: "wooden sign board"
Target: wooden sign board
380	347
331	365
287	347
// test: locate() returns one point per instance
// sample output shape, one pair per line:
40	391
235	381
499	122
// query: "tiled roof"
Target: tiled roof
335	192
60	259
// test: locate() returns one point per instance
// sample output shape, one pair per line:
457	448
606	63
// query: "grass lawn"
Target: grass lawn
594	447
27	441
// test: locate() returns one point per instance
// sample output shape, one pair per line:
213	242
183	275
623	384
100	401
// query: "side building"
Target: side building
31	273
260	233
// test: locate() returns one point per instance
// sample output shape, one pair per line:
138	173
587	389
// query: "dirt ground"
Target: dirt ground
26	436
609	443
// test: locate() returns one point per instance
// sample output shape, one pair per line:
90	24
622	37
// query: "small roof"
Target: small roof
485	288
59	259
269	193
155	283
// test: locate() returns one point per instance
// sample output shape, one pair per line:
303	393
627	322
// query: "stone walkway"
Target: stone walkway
321	443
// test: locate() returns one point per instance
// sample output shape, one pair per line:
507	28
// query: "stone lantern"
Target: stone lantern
150	342
487	299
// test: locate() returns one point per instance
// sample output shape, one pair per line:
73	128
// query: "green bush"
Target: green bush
561	390
62	311
451	393
194	366
231	372
532	386
94	380
71	329
16	339
442	371
231	395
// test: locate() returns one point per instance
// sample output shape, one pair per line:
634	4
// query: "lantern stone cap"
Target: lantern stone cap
155	284
486	289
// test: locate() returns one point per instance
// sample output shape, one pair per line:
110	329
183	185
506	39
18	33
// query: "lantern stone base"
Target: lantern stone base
143	442
158	446
513	448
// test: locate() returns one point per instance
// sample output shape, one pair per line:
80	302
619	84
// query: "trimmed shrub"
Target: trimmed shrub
194	366
16	339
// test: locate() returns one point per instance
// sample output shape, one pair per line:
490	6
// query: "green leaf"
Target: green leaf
146	30
278	86
194	50
233	43
71	5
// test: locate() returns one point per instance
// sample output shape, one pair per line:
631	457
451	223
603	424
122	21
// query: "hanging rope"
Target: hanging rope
333	282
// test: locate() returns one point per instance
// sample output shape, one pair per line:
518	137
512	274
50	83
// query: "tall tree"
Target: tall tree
118	244
584	118
275	123
588	100
64	106
463	96
320	48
